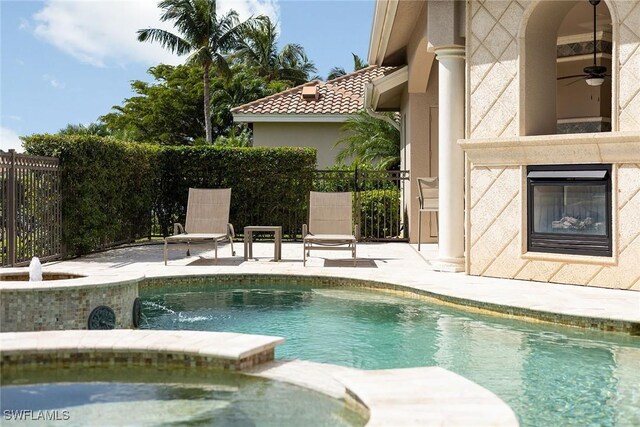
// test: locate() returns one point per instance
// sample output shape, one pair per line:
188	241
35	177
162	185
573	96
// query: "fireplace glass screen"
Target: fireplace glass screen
569	209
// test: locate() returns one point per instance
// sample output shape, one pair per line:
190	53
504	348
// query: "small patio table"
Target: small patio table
248	239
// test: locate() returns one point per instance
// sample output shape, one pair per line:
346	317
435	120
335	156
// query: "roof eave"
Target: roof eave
290	118
383	20
387	84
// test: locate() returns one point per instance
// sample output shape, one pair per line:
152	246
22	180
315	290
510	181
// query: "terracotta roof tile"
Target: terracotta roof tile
343	95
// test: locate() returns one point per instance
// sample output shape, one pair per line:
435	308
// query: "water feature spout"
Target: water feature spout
35	270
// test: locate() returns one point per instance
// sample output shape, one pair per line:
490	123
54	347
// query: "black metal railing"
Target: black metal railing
377	201
31	205
30	208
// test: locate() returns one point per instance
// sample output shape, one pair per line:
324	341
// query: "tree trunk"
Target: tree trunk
207	112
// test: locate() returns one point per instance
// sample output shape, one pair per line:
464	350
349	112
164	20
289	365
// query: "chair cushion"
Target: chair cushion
195	237
329	238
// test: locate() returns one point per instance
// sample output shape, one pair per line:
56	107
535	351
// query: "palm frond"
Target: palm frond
369	140
358	63
167	40
336	72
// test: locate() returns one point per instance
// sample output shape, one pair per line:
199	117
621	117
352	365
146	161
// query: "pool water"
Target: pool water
549	375
152	397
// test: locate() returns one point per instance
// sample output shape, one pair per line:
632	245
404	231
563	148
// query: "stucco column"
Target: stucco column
451	158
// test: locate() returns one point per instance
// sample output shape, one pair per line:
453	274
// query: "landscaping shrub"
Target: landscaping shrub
107	188
115	191
269	185
380	213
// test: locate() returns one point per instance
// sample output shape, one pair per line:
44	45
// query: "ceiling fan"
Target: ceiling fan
593	75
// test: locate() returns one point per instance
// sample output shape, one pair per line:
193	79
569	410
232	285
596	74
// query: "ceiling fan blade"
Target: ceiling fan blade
574	82
571	77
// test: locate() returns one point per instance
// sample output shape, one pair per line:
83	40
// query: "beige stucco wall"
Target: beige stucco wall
321	136
420	143
419	110
495	193
495	32
496	233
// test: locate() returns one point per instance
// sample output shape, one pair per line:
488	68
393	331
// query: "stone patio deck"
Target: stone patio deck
398	264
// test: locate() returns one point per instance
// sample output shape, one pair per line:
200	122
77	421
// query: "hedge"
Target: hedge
269	185
113	190
107	188
380	213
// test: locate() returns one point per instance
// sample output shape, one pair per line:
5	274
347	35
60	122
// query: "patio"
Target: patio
398	266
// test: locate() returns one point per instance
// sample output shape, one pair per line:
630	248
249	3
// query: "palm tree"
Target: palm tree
358	64
369	141
203	35
95	128
242	87
257	48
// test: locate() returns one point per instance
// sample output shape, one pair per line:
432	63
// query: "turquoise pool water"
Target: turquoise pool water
550	376
151	397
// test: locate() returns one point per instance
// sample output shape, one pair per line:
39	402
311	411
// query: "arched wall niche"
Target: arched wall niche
538	64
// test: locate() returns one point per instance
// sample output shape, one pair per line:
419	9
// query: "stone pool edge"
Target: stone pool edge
412	396
606	324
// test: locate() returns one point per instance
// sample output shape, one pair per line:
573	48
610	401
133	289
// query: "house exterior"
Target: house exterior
309	115
538	153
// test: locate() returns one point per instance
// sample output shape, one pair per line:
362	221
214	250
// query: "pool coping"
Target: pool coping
96	279
411	397
512	310
225	350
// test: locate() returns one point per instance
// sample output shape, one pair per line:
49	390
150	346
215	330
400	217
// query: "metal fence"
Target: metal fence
31	205
30	208
378	196
377	202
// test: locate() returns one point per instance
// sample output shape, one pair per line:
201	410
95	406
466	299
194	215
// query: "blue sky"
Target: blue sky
70	61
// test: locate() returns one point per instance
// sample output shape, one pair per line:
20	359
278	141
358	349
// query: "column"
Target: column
451	159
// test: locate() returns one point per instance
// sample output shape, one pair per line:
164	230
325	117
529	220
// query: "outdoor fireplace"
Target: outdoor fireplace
569	209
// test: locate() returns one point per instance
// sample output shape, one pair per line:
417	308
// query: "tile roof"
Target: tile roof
343	95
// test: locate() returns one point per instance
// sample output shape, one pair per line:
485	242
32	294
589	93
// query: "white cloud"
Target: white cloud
55	83
9	140
103	32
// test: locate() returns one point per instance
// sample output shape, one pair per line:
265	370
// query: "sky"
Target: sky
70	61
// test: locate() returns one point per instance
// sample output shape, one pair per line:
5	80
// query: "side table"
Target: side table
248	239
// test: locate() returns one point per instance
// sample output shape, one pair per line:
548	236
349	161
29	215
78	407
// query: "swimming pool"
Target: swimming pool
549	375
150	396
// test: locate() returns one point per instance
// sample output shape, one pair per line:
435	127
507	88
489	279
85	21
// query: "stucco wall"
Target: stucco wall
496	227
420	111
493	47
495	221
492	61
322	136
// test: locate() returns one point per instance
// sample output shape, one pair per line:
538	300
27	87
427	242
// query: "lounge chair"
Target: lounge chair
428	200
330	224
207	220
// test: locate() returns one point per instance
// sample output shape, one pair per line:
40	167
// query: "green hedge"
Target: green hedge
107	188
269	185
380	213
113	191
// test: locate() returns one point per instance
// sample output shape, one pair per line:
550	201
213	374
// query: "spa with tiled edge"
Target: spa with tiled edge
481	297
434	396
65	300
